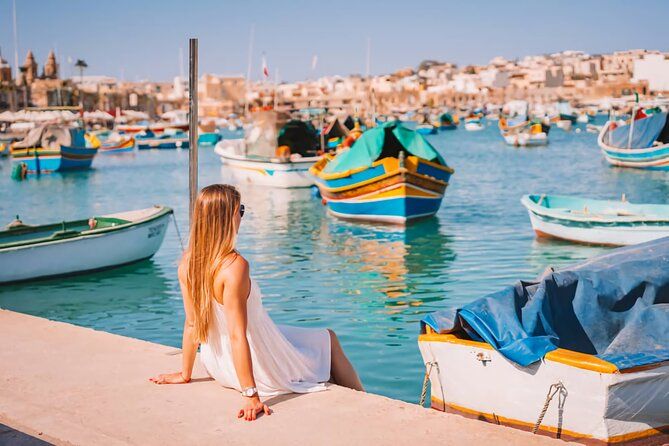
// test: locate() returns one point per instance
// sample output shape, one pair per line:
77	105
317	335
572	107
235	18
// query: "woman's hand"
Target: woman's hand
252	407
170	378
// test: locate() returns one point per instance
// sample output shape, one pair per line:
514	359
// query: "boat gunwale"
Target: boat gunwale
231	156
327	176
540	210
10	246
608	148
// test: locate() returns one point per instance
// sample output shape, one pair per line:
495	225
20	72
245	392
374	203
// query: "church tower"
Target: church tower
51	67
29	69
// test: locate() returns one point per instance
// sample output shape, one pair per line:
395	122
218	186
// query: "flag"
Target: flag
314	62
265	70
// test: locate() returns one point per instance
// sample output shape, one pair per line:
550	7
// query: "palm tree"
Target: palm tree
82	65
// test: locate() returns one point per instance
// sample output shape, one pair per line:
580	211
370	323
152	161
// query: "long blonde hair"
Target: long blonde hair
213	235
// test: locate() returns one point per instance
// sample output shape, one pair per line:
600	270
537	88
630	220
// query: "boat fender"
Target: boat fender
92	223
324	201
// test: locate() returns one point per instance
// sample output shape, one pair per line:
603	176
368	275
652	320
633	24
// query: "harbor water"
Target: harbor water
372	284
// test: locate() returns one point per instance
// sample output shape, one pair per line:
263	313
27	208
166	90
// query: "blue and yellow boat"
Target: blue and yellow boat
391	174
50	148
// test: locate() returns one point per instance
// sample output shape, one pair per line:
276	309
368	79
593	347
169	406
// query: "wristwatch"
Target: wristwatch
249	392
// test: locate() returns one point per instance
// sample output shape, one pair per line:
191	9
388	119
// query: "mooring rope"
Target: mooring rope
176	226
552	391
426	381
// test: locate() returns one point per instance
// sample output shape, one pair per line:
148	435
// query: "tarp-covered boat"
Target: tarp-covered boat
581	353
73	247
642	143
597	222
390	174
274	152
51	148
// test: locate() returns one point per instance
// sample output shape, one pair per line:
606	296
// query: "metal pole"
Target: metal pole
192	127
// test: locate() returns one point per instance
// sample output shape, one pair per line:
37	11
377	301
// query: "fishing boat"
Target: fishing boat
473	124
580	353
448	122
51	148
335	134
73	247
113	146
208	139
641	143
600	222
391	174
274	152
426	129
523	133
176	139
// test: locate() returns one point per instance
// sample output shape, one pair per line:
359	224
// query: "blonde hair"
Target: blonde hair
213	235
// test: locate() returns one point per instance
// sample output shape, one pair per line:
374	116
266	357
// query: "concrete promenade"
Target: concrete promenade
71	385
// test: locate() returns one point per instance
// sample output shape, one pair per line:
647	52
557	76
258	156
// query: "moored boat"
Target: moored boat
473	124
50	148
112	146
391	174
578	354
31	252
448	122
524	133
602	222
272	153
426	129
168	140
642	143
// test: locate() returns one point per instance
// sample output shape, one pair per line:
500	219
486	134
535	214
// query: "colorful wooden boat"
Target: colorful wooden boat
273	153
642	143
473	125
601	222
173	140
391	174
73	247
208	139
54	149
426	129
448	122
126	145
523	133
580	354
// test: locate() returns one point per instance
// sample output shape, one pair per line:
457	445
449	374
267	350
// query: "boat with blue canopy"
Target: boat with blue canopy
597	222
391	174
448	122
581	353
641	143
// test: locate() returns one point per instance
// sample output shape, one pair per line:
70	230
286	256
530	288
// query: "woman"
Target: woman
239	344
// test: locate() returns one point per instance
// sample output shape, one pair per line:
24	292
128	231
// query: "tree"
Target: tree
82	65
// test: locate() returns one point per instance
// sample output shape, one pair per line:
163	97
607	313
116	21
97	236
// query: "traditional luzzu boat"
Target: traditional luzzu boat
642	143
51	148
579	354
272	153
597	222
113	146
448	122
523	133
175	139
73	247
473	124
391	174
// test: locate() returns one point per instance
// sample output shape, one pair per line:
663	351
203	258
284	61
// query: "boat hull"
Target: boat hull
162	143
385	192
84	253
593	234
601	405
40	161
283	175
525	139
127	146
652	158
426	129
473	126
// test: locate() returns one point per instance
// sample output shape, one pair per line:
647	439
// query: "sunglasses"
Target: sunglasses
241	210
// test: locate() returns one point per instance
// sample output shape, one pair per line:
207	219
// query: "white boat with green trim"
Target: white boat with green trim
597	222
73	247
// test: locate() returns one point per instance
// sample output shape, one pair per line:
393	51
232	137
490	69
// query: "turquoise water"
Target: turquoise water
371	284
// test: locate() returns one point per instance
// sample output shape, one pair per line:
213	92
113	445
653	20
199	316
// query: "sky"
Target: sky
142	39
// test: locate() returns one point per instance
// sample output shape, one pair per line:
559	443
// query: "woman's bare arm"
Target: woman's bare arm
188	343
236	284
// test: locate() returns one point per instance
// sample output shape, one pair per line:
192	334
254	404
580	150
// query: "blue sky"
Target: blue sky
140	39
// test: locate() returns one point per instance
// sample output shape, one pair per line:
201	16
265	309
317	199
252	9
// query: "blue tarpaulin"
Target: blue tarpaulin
614	306
644	134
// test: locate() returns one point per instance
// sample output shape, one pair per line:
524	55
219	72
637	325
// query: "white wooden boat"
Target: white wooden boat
600	222
32	252
291	172
473	125
639	144
472	379
525	139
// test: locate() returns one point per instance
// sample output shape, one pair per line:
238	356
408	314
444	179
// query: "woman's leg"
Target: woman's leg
341	369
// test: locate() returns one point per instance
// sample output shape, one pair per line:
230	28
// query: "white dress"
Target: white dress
285	359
